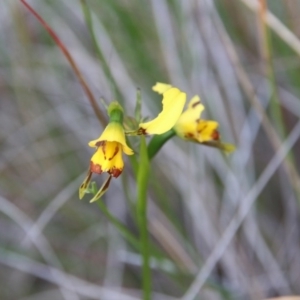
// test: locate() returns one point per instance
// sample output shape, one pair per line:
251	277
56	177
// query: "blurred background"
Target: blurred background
226	226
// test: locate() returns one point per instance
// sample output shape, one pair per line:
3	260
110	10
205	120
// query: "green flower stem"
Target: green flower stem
158	141
154	250
142	183
121	227
115	112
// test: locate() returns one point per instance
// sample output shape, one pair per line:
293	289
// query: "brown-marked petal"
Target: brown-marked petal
85	184
102	190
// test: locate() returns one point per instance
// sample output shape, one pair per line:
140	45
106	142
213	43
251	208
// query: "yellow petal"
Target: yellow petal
161	87
113	132
108	158
187	122
173	103
127	150
206	131
114	163
196	105
186	130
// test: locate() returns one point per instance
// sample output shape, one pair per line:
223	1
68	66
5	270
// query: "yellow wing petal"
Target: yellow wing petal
173	103
192	113
195	103
161	87
206	130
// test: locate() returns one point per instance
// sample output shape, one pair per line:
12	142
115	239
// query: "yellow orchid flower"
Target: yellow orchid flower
108	156
173	103
190	127
111	144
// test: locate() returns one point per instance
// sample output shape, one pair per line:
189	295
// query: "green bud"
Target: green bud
115	112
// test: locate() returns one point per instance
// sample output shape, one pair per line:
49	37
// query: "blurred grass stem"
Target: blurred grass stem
89	22
70	59
268	68
277	26
240	216
249	90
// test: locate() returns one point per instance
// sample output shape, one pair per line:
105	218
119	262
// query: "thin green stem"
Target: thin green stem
121	227
142	183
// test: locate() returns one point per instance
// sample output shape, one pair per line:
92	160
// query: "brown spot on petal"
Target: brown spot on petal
115	153
189	135
105	187
100	143
95	168
215	135
203	128
115	172
87	180
196	103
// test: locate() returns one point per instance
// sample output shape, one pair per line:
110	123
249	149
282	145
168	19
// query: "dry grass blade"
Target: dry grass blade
285	298
252	97
224	225
277	26
67	54
41	244
244	209
81	287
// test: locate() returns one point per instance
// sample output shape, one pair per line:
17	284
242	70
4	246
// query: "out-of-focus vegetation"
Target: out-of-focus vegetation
224	227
